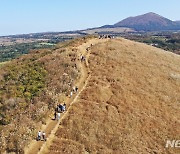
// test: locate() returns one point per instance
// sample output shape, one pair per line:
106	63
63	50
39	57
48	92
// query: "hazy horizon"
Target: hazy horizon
20	17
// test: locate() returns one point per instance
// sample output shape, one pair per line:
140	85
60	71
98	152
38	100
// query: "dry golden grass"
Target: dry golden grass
130	105
25	117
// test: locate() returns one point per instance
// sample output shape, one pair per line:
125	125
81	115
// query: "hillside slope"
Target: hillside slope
31	87
130	104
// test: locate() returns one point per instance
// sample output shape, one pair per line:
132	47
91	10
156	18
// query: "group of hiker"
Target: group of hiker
105	36
60	108
41	136
82	57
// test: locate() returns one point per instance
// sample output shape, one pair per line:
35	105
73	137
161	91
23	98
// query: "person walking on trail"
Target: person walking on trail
57	108
64	107
76	89
55	115
39	136
81	58
44	136
71	93
58	116
60	108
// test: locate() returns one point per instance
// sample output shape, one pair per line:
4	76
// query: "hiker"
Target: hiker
75	66
101	37
64	107
57	108
60	108
76	89
71	93
58	115
55	115
44	136
39	136
88	48
81	58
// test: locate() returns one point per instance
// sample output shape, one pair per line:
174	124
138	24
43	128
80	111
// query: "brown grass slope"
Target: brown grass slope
30	88
130	105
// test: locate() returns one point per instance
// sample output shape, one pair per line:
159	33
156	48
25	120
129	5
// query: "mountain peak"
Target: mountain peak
148	22
152	13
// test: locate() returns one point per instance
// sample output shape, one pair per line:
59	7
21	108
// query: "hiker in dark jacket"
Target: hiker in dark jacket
76	89
55	115
64	107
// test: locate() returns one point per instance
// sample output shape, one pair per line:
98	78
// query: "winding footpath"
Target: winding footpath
41	147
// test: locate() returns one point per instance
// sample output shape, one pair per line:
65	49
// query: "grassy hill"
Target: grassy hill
130	104
30	88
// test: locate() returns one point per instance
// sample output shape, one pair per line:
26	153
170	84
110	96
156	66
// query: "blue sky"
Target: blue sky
27	16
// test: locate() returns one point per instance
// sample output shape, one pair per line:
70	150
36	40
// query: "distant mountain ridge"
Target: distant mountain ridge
178	22
148	22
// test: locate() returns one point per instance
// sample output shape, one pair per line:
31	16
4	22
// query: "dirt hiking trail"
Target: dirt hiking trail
52	126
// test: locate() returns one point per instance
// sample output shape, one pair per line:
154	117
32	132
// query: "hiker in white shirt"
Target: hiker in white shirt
39	136
58	115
